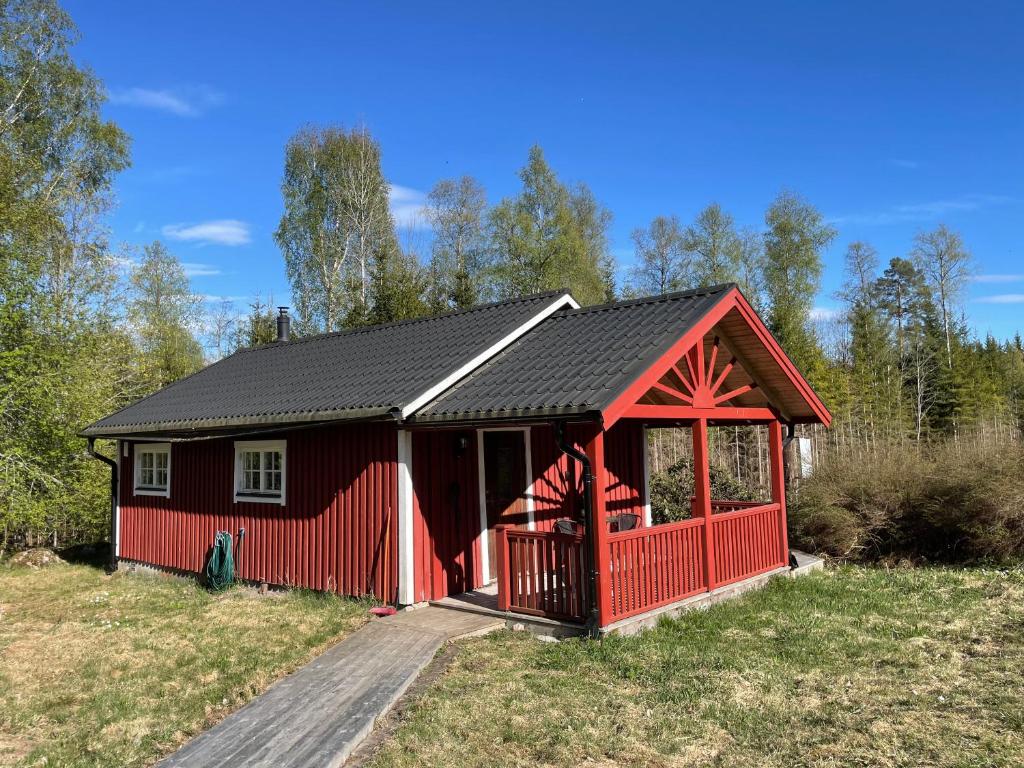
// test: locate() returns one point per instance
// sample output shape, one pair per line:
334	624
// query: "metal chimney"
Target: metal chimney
284	324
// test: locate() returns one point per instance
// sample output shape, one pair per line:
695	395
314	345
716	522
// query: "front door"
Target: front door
505	485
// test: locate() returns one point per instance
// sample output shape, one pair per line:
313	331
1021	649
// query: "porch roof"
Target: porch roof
576	362
587	361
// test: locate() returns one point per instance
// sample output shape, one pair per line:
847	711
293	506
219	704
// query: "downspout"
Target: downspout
112	463
790	436
588	528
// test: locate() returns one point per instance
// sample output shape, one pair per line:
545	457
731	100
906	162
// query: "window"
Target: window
152	469
260	471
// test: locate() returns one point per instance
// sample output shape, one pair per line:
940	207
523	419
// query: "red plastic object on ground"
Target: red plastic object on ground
384	610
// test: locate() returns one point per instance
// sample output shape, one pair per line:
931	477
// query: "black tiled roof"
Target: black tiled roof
575	362
351	374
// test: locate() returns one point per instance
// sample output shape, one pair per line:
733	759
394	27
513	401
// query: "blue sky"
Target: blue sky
889	117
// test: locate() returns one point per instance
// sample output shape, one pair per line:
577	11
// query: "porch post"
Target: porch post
778	474
599	527
501	565
702	495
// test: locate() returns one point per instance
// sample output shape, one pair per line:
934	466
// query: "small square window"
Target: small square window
260	471
152	469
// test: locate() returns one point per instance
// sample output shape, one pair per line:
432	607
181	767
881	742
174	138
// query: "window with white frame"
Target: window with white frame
152	469
260	471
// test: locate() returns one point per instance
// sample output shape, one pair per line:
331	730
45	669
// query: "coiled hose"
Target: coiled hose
220	568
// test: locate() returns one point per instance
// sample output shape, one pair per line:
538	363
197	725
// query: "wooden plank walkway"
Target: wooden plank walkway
319	714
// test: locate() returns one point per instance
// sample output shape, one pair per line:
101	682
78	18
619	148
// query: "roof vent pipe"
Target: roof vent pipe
284	324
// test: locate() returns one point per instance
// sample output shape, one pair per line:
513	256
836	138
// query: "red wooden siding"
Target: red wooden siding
557	478
337	532
624	469
446	513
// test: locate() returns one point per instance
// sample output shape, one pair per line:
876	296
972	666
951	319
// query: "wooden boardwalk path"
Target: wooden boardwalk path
319	714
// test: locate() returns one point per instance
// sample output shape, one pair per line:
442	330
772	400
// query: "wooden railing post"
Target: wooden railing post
501	565
599	537
702	492
778	474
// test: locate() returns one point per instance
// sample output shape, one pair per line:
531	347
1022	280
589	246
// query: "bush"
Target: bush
671	491
946	503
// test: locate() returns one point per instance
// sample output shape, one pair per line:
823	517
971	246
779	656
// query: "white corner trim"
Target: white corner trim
647	476
485	554
122	446
406	562
260	445
138	450
565	300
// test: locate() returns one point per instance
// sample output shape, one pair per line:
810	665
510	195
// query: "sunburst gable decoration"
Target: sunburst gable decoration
698	385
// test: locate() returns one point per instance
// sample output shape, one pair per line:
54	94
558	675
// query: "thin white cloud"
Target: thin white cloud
195	269
824	313
1002	298
218	232
1005	278
926	211
187	101
408	207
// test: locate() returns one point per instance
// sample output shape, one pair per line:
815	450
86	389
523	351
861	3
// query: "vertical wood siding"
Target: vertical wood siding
337	531
557	481
446	514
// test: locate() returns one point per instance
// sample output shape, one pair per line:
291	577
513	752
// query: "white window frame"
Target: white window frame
248	446
150	490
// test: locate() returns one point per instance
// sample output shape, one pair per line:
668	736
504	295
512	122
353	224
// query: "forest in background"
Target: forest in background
87	326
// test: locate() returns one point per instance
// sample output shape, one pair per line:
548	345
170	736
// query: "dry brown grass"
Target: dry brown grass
98	670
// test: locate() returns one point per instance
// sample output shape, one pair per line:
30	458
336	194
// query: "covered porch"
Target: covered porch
585	547
627	568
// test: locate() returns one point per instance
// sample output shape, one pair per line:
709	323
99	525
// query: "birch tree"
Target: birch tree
336	218
458	261
662	260
947	264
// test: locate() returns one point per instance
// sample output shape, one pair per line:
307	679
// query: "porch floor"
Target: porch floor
484	601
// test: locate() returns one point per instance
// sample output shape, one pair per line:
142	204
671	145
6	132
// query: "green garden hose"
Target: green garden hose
220	568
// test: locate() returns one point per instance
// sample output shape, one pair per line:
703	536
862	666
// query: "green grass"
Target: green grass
850	667
118	671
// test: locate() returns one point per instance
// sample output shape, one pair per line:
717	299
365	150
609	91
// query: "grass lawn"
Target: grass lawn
851	667
118	671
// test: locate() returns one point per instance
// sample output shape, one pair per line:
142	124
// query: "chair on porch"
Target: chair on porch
624	522
567	526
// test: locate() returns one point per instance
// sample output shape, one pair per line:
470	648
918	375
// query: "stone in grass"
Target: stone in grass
37	558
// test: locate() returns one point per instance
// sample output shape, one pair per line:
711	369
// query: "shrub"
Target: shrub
671	491
950	503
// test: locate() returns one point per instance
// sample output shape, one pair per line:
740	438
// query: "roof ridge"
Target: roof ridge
710	290
409	321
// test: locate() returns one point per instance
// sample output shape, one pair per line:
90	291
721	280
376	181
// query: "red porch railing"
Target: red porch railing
719	506
541	573
747	542
651	567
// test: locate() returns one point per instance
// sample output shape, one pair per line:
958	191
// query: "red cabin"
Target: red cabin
498	451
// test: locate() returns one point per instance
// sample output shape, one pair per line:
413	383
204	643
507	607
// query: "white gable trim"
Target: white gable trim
565	300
